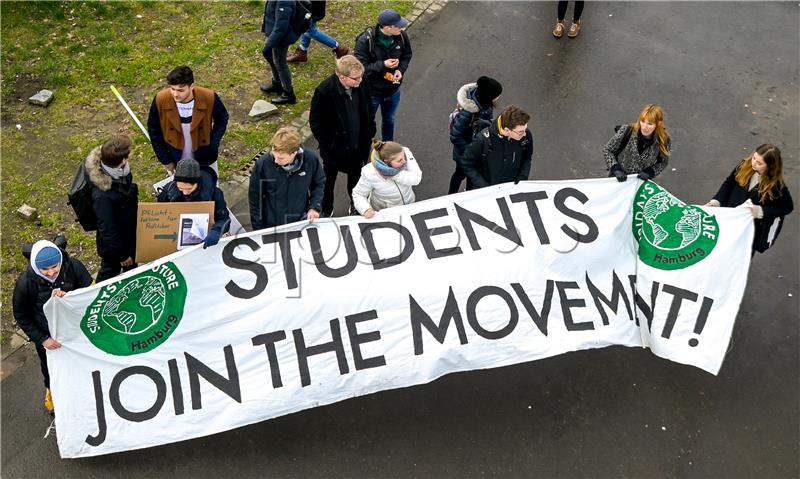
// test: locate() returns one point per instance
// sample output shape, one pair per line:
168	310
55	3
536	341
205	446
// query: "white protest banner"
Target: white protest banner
286	319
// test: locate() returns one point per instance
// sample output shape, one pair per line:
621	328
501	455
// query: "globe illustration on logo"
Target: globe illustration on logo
135	307
137	314
669	231
671	234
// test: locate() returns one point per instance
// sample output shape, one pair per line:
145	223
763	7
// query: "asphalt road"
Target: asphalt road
727	76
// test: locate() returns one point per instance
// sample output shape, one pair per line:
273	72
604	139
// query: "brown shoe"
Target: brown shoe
299	56
341	51
574	29
558	29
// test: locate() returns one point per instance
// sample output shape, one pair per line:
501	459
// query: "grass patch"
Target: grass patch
79	49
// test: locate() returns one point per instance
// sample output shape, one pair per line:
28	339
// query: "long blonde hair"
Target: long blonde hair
772	180
655	115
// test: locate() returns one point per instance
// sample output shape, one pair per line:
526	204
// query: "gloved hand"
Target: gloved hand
211	239
645	174
619	175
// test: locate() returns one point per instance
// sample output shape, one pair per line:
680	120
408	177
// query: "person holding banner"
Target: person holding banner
190	183
286	184
186	121
115	199
641	148
52	272
759	179
387	179
501	152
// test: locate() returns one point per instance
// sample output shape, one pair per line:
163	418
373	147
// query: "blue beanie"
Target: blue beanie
48	257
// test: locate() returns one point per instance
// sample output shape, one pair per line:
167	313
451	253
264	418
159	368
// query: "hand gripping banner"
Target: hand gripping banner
294	317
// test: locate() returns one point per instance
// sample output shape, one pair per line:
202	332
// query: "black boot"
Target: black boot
274	87
286	98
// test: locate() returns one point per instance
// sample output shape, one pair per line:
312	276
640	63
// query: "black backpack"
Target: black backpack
317	10
301	17
80	198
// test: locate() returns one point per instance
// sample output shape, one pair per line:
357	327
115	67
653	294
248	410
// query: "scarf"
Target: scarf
295	165
117	173
384	169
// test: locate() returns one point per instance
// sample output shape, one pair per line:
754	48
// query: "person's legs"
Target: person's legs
281	68
576	15
575	28
42	353
305	39
558	30
562	10
330	182
389	106
352	181
275	85
108	269
321	37
285	75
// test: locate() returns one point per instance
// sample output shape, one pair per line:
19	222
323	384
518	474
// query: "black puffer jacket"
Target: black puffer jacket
492	158
277	197
206	191
115	203
32	291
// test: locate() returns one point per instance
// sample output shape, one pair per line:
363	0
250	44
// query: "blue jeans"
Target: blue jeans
388	106
318	35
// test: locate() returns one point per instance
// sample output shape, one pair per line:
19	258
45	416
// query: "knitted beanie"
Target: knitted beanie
488	90
48	257
187	171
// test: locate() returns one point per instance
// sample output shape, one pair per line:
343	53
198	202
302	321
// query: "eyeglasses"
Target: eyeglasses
358	78
517	132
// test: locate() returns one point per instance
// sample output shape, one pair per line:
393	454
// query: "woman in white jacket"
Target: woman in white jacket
387	179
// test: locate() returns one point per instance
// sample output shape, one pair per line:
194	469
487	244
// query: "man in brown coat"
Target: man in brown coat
186	121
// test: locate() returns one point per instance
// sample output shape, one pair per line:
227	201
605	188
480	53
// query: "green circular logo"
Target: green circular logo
137	314
671	234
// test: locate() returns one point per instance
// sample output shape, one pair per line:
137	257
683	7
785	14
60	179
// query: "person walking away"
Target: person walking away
387	180
640	148
286	184
186	121
502	152
759	179
300	54
385	51
342	122
279	37
115	199
51	272
475	104
191	184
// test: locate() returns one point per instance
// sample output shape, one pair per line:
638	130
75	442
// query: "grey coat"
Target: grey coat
629	158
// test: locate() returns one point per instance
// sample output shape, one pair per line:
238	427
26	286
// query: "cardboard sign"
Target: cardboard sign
158	227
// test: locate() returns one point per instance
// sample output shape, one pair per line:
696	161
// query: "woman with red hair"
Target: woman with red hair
641	148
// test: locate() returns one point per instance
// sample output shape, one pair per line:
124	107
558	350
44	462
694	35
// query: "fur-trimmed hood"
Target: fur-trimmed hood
97	175
466	98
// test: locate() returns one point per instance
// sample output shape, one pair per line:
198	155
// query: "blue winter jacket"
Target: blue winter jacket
278	23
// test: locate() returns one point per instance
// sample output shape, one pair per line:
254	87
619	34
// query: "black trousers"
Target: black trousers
330	182
42	352
562	11
110	268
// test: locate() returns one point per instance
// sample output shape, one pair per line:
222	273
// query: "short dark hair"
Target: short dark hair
181	75
513	116
116	149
